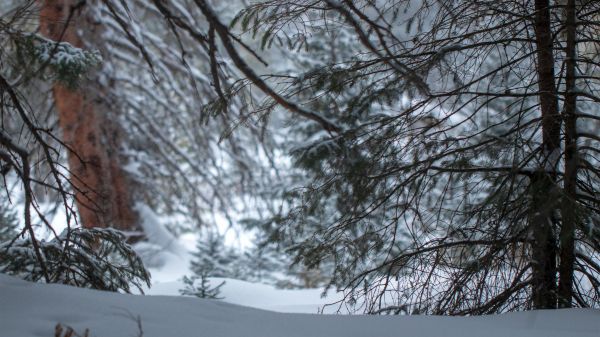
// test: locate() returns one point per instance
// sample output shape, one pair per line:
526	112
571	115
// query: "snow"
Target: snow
156	233
64	54
260	296
163	254
32	310
168	260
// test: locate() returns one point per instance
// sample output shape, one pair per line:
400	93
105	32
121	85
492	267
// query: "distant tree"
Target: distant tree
265	265
213	258
199	286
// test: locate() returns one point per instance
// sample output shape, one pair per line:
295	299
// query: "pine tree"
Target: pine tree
264	265
103	190
201	289
213	259
458	188
31	162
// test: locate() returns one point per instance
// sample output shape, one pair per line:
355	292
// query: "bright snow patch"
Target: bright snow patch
33	310
261	296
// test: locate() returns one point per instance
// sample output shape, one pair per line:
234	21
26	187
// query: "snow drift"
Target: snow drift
33	310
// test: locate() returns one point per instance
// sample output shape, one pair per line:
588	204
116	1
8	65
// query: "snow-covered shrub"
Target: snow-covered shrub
95	258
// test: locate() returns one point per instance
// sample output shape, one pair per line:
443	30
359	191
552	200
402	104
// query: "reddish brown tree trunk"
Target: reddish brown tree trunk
103	190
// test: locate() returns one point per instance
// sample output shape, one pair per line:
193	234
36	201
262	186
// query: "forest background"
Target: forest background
422	156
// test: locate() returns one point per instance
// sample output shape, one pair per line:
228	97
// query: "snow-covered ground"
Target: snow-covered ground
170	257
33	310
167	280
261	296
247	310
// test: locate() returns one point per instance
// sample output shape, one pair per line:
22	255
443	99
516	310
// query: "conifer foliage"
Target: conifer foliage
455	171
423	156
89	258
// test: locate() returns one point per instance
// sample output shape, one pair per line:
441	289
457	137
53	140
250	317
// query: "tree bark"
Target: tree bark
544	191
569	213
103	190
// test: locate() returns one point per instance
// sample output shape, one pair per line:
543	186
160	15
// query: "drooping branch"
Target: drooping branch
224	35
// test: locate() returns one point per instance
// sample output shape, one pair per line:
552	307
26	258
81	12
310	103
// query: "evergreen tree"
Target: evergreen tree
201	289
31	160
264	265
460	184
104	191
213	259
453	188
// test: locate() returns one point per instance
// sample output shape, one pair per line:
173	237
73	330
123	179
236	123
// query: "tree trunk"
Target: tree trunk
544	189
569	214
103	190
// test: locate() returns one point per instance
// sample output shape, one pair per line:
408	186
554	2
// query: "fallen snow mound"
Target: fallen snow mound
33	310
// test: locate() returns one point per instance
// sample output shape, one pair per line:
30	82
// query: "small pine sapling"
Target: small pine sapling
202	288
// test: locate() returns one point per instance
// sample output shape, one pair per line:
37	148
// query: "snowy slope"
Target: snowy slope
261	296
32	310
